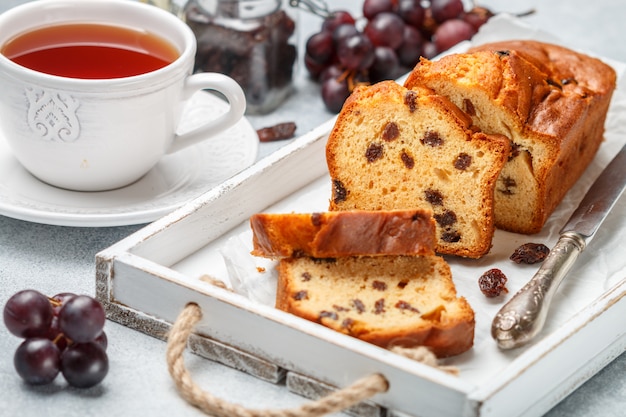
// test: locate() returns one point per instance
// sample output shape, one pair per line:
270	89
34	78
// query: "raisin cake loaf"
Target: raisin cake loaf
389	301
343	233
395	148
551	102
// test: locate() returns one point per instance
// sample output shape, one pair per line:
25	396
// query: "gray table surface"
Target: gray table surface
55	259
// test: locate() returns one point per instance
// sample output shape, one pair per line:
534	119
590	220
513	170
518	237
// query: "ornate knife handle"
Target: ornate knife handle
523	317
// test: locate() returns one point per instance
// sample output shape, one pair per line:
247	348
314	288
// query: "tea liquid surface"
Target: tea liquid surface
90	51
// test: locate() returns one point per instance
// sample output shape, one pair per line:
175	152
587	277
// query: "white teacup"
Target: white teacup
100	134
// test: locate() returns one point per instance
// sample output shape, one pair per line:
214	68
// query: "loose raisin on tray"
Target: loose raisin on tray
492	283
530	253
280	131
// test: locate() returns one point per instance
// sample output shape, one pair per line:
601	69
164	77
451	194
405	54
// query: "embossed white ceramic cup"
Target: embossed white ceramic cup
100	134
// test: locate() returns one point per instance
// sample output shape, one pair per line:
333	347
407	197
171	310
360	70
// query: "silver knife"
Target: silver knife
523	317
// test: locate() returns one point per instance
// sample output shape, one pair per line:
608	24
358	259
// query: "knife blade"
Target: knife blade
523	317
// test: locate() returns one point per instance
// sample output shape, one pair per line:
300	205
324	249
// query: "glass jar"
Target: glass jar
252	41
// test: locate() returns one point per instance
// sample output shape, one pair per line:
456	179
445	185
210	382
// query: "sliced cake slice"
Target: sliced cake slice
395	148
389	301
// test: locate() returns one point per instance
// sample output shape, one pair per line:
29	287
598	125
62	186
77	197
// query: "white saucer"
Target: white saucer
176	179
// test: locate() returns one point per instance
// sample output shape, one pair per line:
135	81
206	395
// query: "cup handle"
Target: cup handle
233	93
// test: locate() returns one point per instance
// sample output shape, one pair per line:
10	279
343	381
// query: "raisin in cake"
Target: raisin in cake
551	103
395	148
343	233
389	301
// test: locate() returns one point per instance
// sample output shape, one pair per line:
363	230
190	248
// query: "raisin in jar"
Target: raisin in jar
252	41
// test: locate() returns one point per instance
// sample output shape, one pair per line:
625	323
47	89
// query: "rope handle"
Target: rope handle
360	390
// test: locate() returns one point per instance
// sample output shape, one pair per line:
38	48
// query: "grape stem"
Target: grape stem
348	76
317	7
526	13
53	302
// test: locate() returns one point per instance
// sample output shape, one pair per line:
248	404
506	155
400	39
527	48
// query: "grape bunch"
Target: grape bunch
385	43
62	334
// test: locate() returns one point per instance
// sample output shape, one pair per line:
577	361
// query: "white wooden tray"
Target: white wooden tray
145	280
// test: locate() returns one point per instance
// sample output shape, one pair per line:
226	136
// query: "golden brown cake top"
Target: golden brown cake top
546	88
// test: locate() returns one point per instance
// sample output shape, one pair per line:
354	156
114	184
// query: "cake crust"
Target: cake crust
346	233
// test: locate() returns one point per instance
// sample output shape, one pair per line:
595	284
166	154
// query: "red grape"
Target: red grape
386	29
373	7
84	364
356	52
343	31
477	17
313	67
443	10
412	47
58	300
28	313
385	64
81	319
451	32
102	340
334	93
337	18
334	71
320	47
429	50
37	361
412	12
